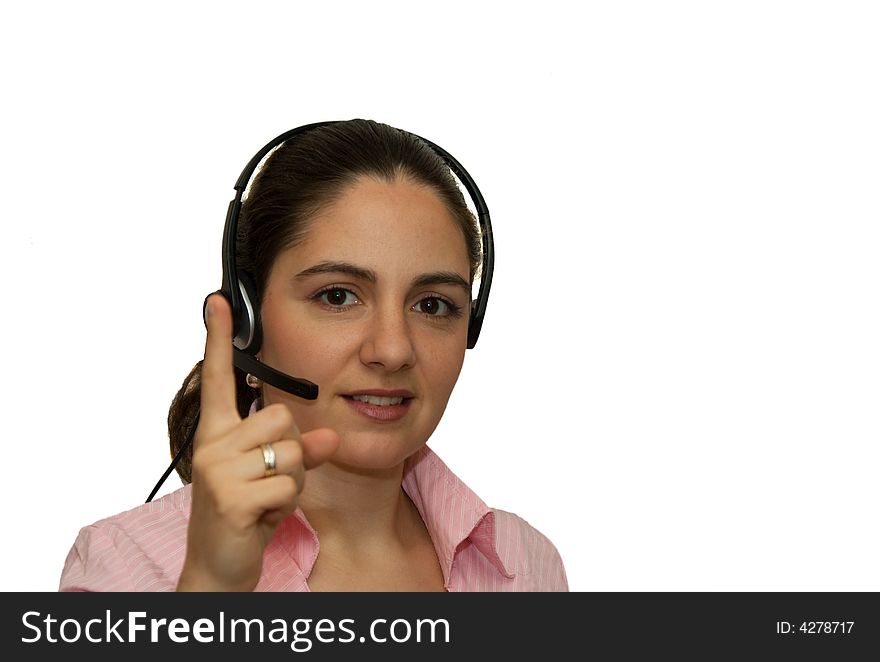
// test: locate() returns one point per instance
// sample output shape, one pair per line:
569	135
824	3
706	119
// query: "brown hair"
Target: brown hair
299	179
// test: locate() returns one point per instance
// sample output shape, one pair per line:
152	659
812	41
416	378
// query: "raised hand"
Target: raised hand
236	507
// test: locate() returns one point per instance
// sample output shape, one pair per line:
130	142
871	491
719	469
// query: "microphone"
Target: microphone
302	388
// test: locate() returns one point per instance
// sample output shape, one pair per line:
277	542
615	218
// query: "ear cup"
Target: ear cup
250	335
475	323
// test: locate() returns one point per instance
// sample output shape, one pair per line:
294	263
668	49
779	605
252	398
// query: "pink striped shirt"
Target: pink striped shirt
479	548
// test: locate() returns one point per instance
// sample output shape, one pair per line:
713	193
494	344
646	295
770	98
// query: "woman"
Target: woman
362	253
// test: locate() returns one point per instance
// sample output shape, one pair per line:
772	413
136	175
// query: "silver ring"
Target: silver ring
268	459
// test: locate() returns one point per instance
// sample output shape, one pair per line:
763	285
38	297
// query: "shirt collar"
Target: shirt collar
452	512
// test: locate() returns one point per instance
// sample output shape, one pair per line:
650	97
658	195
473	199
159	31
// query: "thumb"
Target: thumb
318	446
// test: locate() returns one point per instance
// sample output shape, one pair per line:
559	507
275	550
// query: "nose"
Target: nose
387	341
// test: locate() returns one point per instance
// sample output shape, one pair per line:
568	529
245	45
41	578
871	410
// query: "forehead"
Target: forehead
398	227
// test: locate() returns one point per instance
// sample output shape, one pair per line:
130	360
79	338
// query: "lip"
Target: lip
382	393
381	413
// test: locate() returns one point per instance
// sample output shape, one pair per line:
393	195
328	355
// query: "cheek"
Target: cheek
295	348
442	362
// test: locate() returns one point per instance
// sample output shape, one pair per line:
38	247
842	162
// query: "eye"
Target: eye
336	297
437	307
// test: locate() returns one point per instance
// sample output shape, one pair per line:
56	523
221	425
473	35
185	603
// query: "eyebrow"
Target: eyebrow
442	278
434	278
337	268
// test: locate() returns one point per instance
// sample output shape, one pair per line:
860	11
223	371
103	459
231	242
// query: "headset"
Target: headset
238	288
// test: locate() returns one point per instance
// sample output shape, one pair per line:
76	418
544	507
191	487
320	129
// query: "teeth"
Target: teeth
376	400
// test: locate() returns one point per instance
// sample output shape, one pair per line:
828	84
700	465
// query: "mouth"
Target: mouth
379	400
380	397
380	406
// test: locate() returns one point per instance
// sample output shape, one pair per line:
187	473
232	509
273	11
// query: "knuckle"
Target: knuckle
214	486
280	415
228	504
289	487
226	509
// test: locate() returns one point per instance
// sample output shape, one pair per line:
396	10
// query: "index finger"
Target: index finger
219	410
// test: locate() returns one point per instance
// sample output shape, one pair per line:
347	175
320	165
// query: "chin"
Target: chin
370	450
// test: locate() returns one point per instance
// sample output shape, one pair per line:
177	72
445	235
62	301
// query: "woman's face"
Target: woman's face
373	307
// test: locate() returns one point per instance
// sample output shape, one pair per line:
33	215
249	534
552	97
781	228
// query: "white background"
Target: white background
678	377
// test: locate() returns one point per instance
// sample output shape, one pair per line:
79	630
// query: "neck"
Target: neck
359	511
